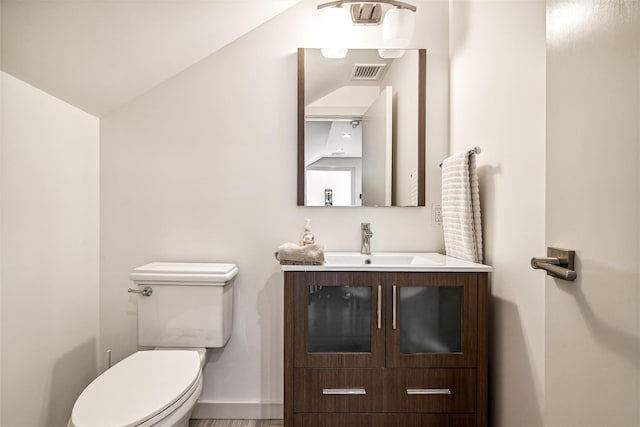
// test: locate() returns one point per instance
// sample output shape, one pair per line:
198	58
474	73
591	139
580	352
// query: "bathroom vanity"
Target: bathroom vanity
386	340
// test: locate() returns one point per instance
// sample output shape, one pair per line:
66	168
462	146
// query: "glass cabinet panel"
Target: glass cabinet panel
431	319
434	320
339	319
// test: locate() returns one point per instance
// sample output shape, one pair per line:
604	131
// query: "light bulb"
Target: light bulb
336	22
391	53
336	17
334	53
397	27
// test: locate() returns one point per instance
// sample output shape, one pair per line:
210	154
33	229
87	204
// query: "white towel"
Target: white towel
461	207
292	254
413	189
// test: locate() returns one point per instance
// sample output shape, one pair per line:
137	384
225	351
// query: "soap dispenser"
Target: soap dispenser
307	237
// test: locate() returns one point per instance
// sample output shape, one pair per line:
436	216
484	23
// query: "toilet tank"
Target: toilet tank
190	304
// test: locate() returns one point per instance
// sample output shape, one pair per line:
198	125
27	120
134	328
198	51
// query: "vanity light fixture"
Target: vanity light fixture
397	24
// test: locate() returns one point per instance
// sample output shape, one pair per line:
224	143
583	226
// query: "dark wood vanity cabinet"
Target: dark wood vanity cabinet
385	349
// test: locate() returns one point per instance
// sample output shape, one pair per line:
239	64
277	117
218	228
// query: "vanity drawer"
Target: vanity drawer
338	390
430	390
382	420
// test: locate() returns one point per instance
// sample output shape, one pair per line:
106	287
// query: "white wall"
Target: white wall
593	206
1	217
49	248
99	55
498	103
203	167
340	182
352	164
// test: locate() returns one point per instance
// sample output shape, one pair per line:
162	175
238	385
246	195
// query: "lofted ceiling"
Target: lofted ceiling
99	54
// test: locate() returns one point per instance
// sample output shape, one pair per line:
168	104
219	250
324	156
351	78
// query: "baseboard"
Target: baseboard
238	410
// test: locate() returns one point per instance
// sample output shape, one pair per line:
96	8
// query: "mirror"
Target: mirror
361	128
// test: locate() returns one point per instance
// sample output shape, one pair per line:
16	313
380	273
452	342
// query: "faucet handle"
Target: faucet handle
365	226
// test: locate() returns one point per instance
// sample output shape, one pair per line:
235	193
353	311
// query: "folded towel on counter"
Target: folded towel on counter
292	254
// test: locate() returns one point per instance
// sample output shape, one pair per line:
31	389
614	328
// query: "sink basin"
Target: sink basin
390	261
387	259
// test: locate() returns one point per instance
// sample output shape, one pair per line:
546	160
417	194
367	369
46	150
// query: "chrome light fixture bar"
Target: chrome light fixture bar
367	13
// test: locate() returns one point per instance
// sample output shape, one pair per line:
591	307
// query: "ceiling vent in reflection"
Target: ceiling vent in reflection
367	71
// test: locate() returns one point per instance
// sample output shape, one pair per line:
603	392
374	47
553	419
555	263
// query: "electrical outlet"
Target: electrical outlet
436	214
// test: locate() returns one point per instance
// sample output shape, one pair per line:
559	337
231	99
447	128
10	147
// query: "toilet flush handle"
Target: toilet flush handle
146	292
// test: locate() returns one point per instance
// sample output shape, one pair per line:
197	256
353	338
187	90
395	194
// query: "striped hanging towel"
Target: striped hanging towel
413	189
461	207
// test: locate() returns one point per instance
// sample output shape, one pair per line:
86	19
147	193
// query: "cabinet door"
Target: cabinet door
432	319
339	320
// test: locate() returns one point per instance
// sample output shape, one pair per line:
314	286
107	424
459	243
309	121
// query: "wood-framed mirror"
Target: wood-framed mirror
361	128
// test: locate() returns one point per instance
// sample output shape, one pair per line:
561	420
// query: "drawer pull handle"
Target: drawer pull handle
348	391
428	391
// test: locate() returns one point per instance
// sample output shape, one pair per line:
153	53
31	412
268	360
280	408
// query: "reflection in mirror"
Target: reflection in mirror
361	128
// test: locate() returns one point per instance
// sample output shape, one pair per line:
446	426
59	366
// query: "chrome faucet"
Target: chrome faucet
367	234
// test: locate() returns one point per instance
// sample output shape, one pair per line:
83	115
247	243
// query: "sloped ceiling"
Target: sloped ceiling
100	54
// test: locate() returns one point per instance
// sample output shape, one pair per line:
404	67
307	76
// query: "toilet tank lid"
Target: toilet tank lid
187	273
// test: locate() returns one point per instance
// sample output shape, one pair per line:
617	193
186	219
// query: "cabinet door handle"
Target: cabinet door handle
344	391
428	391
379	307
393	302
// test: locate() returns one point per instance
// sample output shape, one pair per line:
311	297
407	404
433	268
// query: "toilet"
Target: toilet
183	309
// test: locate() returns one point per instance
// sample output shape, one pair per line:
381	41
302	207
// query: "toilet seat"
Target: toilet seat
140	390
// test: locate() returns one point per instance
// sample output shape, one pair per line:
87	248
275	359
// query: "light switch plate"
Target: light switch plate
436	214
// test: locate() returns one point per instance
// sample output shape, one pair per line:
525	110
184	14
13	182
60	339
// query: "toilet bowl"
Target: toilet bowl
148	388
184	308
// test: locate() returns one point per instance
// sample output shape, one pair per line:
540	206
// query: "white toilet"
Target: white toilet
183	308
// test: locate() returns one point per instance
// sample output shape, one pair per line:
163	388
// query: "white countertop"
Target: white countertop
391	261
